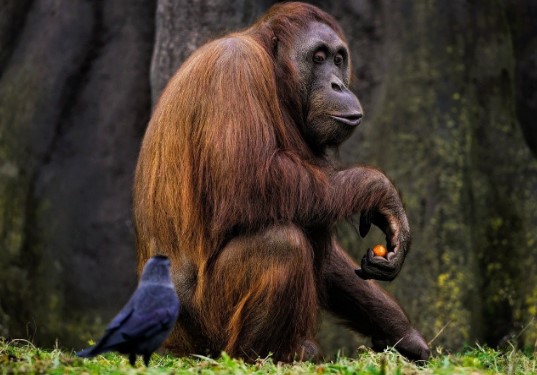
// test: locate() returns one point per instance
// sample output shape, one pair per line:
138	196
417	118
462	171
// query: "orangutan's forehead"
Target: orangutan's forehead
319	32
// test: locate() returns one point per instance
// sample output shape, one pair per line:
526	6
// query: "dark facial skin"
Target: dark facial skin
332	110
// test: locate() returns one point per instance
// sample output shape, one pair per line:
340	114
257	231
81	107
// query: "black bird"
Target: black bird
146	320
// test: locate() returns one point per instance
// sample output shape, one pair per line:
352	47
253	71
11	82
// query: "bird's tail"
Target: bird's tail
88	352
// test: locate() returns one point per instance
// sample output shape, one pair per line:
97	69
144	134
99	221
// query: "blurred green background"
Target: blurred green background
449	90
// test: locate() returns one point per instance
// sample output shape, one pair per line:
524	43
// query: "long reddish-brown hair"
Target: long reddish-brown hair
204	172
229	189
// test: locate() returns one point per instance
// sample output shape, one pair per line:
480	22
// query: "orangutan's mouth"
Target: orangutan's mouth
352	119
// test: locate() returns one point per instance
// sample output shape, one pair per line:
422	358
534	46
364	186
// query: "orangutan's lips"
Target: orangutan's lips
352	119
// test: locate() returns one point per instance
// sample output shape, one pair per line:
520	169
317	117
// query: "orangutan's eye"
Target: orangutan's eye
319	56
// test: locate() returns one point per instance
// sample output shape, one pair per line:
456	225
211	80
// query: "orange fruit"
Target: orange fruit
380	250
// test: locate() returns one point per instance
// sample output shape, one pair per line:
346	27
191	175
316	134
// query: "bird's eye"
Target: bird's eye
319	56
338	59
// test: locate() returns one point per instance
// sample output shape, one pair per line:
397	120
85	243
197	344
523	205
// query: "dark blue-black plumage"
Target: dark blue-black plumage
146	320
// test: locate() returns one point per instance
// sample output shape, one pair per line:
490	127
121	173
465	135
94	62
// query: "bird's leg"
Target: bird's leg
132	359
147	357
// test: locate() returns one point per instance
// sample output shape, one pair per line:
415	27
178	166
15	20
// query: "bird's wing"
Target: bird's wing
149	323
138	326
133	322
111	335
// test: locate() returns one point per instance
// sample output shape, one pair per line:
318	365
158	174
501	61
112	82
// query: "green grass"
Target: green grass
20	356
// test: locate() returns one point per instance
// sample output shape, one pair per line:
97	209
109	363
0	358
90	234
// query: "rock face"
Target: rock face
447	106
449	94
74	103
